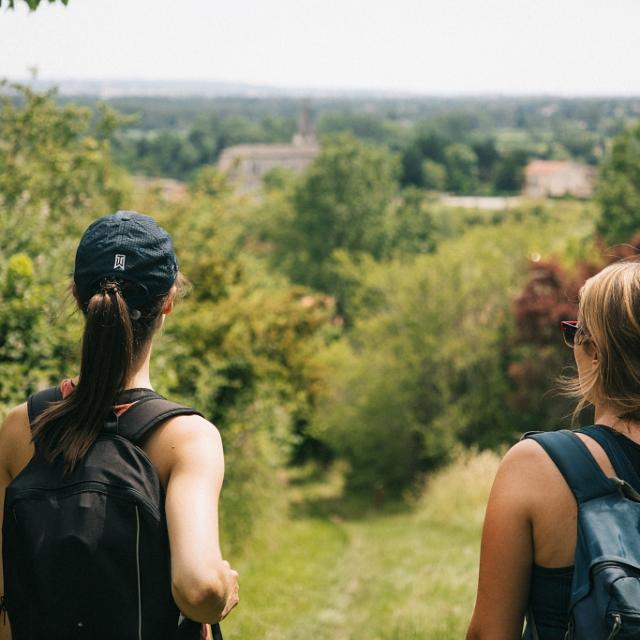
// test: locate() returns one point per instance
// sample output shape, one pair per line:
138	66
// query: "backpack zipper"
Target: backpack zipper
617	625
138	573
127	493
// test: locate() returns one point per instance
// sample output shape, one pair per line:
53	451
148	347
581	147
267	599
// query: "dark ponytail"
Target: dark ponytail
110	345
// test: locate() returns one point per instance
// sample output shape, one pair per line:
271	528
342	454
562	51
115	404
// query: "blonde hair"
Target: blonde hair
609	321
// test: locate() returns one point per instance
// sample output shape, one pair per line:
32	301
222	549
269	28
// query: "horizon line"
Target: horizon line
228	86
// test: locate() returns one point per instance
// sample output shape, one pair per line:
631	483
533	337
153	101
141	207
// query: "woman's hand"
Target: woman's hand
234	590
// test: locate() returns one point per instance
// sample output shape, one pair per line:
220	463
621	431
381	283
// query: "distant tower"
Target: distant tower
305	135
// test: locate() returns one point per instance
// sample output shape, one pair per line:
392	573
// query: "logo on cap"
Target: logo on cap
119	263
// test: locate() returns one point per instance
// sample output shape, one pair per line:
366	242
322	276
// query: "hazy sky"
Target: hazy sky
426	46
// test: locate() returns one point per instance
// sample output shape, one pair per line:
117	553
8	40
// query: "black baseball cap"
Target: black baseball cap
126	246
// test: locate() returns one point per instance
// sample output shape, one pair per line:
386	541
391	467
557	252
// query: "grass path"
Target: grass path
389	575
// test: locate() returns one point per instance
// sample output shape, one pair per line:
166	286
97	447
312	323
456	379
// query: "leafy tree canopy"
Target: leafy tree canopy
426	362
339	204
32	4
619	188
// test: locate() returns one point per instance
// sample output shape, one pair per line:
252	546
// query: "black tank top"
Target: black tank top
550	589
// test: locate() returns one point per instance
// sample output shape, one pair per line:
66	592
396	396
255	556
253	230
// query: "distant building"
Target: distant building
171	190
247	164
544	178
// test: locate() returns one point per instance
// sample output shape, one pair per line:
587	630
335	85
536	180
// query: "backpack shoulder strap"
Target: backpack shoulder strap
609	441
38	402
576	464
146	414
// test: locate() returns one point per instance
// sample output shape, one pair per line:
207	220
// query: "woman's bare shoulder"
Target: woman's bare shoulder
526	473
15	427
524	457
184	440
189	429
16	447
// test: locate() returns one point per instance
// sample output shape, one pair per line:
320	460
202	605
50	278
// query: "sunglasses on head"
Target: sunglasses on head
569	329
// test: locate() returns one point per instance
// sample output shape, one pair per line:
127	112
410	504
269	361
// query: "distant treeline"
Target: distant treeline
460	145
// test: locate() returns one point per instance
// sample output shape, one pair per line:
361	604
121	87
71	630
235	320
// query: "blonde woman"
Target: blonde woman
529	536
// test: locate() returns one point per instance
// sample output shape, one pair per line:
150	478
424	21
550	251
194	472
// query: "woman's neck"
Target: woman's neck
610	416
140	378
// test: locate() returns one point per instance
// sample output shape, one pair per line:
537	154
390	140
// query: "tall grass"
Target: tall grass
457	495
399	573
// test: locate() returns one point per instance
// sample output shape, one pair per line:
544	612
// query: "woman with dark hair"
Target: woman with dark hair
110	516
530	532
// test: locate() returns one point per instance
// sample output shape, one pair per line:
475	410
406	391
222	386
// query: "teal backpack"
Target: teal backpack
605	591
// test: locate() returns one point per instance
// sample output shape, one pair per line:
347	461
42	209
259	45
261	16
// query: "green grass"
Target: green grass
399	573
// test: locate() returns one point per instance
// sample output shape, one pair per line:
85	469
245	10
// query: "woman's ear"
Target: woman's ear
167	307
593	352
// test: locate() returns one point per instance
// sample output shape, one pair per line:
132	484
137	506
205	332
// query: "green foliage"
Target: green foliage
462	168
55	169
340	204
33	347
619	188
456	157
509	171
242	348
411	226
372	127
402	348
33	4
427	364
180	154
55	177
434	175
176	136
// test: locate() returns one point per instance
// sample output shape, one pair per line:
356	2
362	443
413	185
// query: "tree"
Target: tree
509	171
55	167
462	168
538	355
434	175
619	188
241	347
487	154
426	363
428	144
411	227
412	166
55	177
340	203
32	4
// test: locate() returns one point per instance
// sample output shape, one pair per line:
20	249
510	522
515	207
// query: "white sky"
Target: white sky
426	46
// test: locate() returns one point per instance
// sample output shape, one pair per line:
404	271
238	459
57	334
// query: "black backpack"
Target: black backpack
86	553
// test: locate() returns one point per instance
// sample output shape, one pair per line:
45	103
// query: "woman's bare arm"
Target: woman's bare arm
204	586
15	451
506	555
